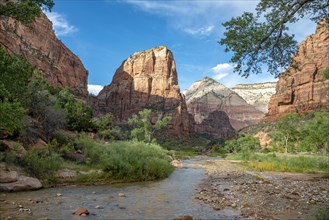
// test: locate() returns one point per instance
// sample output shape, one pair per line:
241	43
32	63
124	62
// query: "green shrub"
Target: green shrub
42	164
15	75
137	161
79	115
244	143
274	162
11	115
127	160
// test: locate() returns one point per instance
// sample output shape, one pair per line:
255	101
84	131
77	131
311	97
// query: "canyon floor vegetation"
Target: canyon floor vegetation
48	129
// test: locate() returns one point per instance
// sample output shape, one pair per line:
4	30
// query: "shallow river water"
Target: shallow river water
165	199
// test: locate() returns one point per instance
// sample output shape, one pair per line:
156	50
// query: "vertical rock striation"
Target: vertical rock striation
304	87
207	95
147	79
40	46
257	94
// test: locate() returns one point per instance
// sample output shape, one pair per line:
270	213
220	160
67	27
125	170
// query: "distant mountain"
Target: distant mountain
207	95
257	94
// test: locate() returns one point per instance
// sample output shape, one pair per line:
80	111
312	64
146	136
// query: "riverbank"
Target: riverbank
169	198
263	195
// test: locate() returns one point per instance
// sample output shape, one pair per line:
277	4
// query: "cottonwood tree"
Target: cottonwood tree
144	129
315	134
24	11
287	130
263	38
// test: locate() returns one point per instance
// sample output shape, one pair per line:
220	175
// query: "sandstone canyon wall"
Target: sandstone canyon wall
207	95
147	79
304	88
40	46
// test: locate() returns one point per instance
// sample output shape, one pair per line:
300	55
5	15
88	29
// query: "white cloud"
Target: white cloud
94	89
189	16
204	31
199	17
60	24
222	67
220	76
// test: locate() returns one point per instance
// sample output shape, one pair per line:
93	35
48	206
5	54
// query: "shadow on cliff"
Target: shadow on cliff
123	99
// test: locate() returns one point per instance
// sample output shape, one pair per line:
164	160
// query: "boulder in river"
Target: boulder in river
185	217
176	163
22	183
8	177
81	211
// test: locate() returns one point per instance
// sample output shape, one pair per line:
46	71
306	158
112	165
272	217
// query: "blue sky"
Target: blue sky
104	33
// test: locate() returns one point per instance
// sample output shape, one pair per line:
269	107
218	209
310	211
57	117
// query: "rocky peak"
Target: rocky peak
40	46
207	95
147	79
257	94
205	86
303	87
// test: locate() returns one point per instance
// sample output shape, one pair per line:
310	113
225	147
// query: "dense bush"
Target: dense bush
15	76
106	128
42	164
11	115
308	133
244	143
127	160
79	115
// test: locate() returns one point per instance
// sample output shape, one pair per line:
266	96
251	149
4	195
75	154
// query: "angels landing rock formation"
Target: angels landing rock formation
304	88
207	95
40	46
147	79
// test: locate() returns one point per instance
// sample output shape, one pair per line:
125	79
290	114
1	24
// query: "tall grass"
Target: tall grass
127	160
284	163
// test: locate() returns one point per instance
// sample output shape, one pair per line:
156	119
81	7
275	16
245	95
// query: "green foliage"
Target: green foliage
322	214
42	164
78	114
286	133
285	163
308	133
184	154
144	128
106	128
127	160
315	133
11	113
263	38
245	143
326	73
24	11
15	74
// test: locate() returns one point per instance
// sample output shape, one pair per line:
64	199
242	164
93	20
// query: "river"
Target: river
165	199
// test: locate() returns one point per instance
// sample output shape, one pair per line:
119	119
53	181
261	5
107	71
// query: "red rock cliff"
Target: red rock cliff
147	79
305	88
40	46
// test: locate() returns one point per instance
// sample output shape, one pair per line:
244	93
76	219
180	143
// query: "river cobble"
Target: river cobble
264	195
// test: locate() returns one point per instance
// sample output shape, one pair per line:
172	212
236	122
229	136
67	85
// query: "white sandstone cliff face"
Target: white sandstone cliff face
257	94
207	95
